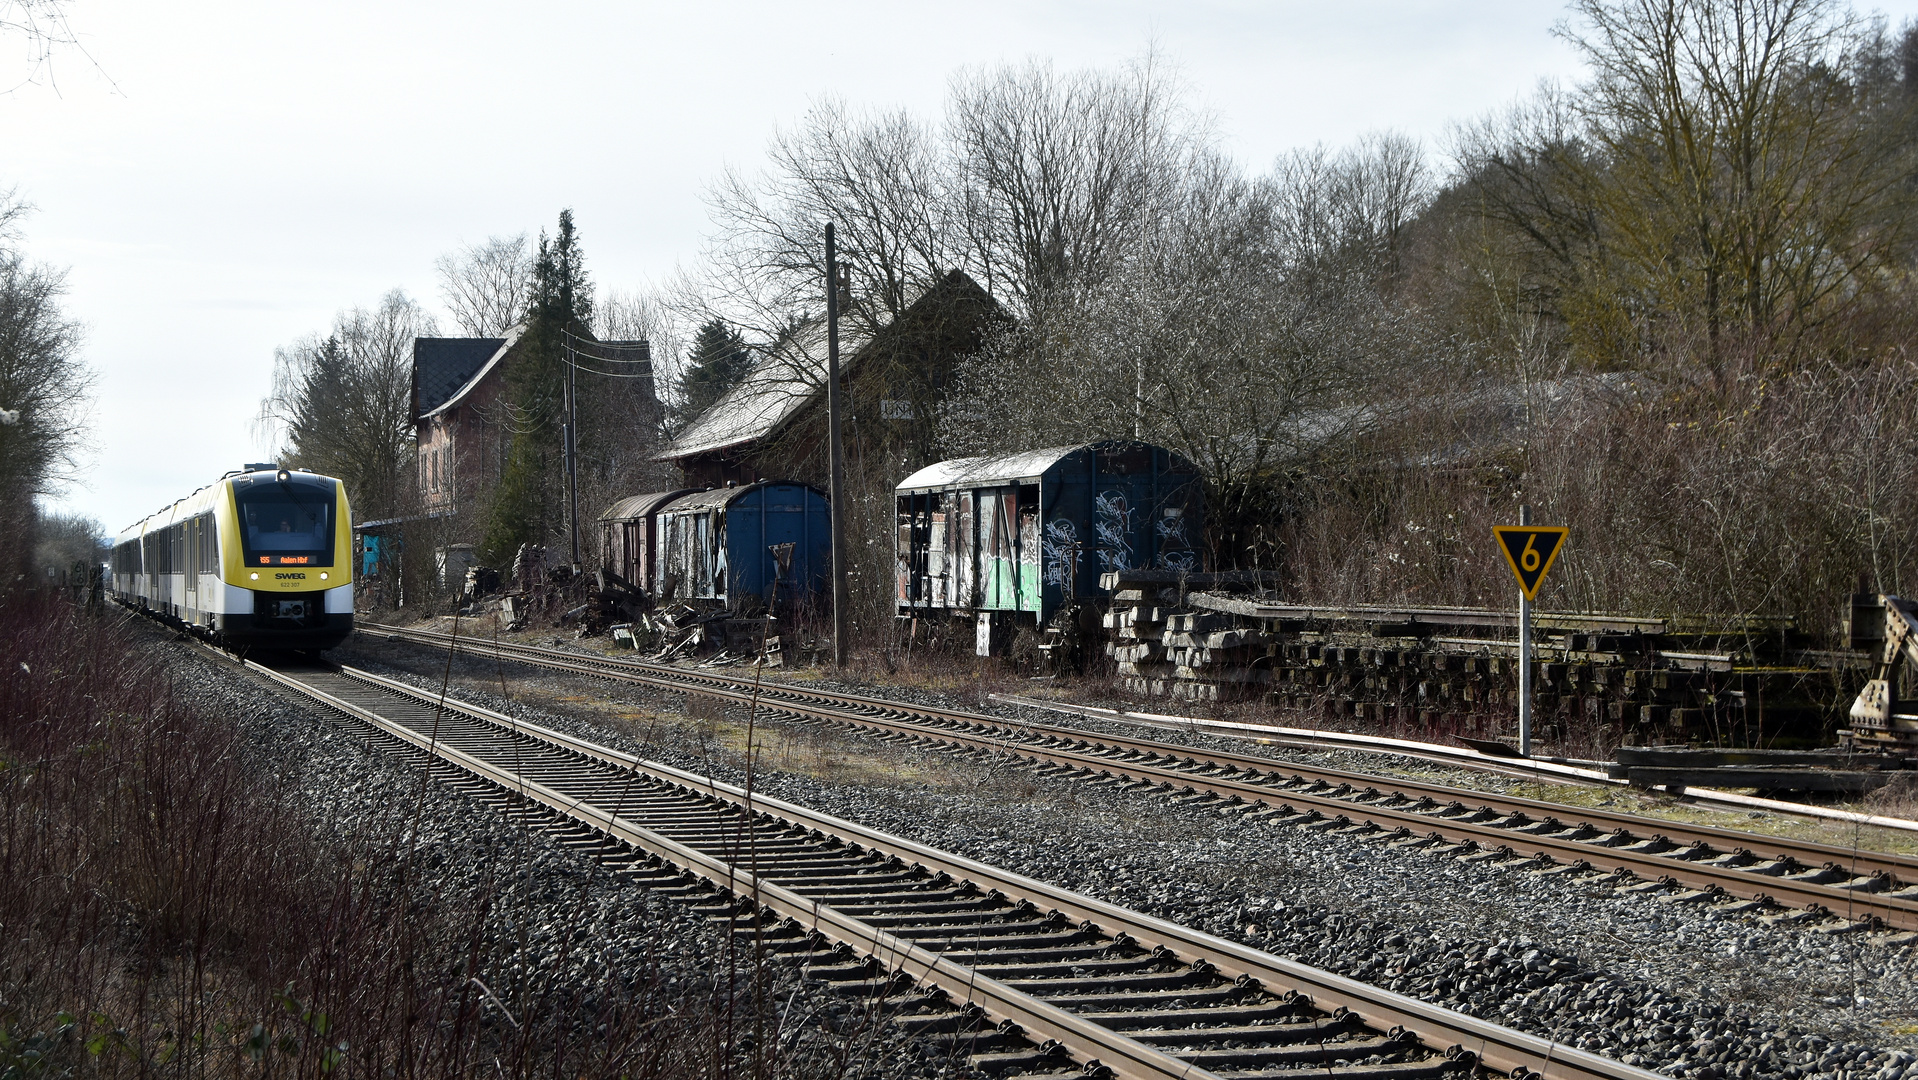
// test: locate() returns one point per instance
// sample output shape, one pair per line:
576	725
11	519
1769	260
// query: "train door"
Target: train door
938	566
965	556
905	550
667	580
637	556
998	537
985	510
783	520
1030	587
176	578
191	565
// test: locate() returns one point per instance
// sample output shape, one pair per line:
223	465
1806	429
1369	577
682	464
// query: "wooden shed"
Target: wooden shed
718	545
1027	533
627	534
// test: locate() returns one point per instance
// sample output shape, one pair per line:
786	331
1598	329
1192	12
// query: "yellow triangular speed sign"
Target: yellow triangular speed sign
1530	551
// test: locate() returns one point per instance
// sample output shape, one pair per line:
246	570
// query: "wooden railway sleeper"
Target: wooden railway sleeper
1659	844
1828	874
1870	883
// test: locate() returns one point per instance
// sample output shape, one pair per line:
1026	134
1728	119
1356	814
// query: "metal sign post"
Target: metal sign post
1524	657
1530	550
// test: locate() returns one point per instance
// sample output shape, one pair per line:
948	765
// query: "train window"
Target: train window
287	523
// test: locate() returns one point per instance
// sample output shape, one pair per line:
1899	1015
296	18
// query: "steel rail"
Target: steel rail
1085	1040
1615	832
1550	770
1465	1040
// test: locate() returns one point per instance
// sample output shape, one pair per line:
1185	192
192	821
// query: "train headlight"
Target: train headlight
322	575
256	577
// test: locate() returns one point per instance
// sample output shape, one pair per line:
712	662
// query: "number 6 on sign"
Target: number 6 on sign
1530	550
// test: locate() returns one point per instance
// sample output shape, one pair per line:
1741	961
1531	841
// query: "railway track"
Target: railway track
1021	978
1743	871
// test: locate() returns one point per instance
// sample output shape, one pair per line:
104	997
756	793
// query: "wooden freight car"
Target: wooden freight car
1014	538
722	545
629	536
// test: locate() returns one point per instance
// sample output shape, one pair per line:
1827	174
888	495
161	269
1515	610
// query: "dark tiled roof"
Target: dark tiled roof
441	365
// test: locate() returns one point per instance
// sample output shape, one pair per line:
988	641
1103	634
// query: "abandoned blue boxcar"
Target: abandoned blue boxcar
717	545
1027	533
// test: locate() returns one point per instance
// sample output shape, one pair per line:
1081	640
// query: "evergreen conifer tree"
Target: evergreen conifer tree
718	361
528	506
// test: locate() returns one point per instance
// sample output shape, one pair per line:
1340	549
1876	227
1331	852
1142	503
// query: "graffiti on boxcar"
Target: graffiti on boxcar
1175	548
1179	562
1061	545
1113	523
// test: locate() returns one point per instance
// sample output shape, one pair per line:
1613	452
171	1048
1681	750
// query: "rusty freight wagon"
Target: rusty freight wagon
1017	536
629	535
718	546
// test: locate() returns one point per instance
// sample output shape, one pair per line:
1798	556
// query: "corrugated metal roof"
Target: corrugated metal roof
1025	465
443	365
713	498
766	398
792	375
634	507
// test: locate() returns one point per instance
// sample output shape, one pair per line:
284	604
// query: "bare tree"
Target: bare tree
44	392
42	25
342	404
1221	336
882	179
1347	212
44	388
485	286
645	315
1734	169
1058	173
66	541
1037	180
621	416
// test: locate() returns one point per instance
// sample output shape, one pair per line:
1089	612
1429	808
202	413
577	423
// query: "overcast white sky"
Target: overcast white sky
249	169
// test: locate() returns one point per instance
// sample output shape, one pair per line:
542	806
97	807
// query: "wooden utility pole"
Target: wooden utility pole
569	434
837	450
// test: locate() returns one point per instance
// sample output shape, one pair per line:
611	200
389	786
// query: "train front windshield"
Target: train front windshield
287	524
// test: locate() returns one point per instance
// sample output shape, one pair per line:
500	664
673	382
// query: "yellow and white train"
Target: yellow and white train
263	558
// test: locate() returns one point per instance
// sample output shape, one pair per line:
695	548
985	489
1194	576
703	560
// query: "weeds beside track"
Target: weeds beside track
174	901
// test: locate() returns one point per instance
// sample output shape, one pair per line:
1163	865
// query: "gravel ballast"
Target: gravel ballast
1684	990
558	930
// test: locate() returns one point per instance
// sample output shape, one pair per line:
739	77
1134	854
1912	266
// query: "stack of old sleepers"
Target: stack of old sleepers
1212	659
1164	648
1455	670
1135	627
